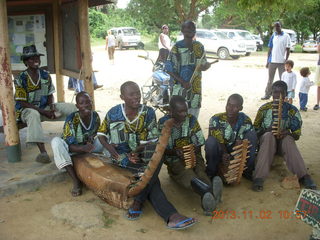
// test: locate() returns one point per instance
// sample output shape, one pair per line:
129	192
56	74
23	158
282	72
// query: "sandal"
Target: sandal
131	212
308	183
316	107
43	158
257	185
180	225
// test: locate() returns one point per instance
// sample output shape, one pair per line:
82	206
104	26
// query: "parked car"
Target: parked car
259	42
309	46
218	43
293	37
126	37
242	35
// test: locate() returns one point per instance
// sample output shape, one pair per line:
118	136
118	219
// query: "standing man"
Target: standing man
279	50
317	77
187	60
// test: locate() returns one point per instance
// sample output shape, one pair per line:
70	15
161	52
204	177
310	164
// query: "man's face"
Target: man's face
180	111
276	92
33	62
131	96
277	27
233	108
189	30
84	104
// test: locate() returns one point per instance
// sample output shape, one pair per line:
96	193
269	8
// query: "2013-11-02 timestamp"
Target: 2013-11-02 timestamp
261	214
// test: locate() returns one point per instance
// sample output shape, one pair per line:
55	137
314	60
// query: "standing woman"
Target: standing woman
111	45
164	40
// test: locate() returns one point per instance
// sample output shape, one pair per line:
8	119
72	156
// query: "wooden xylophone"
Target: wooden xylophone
277	116
231	172
189	156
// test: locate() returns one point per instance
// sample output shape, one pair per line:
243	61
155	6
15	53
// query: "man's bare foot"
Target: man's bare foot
77	189
177	221
134	212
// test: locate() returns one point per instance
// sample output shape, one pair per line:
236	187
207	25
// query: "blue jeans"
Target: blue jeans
77	85
303	98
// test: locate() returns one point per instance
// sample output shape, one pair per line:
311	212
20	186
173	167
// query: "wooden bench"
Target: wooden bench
20	125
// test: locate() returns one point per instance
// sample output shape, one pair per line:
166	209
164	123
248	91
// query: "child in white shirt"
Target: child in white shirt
290	78
305	85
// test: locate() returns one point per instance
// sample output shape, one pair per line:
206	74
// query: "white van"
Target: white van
293	37
218	43
126	37
238	34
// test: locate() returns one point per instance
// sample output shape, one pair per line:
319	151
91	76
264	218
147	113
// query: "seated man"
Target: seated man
227	130
186	131
35	102
284	143
126	130
79	130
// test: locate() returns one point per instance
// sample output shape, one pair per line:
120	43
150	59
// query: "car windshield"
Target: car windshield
245	35
130	32
221	35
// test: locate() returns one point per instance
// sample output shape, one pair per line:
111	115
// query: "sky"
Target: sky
122	3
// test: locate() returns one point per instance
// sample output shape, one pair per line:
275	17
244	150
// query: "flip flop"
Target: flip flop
179	227
43	158
217	186
131	211
257	185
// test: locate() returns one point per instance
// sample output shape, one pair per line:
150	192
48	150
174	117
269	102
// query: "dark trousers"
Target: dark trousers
155	195
214	154
303	98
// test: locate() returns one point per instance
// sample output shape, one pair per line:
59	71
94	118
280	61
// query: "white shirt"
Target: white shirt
279	44
290	78
166	40
111	40
305	85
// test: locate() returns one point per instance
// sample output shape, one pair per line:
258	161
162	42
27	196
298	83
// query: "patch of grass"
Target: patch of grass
27	199
142	230
97	42
107	221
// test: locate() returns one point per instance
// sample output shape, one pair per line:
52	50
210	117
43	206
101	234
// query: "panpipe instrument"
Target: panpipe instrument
231	172
277	116
117	185
189	156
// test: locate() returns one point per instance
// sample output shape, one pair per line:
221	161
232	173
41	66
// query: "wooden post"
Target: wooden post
56	42
86	55
12	140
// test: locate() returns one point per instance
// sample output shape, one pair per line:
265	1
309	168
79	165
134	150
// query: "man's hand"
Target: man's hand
49	114
284	133
179	153
88	148
186	85
267	65
133	157
112	151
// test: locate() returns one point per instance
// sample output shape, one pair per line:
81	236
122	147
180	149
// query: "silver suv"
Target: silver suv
126	37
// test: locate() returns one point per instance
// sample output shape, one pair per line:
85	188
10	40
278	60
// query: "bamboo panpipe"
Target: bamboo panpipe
232	172
277	116
189	156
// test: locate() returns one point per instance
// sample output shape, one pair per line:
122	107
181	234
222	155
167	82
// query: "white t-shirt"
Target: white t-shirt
111	40
166	40
305	85
279	43
290	78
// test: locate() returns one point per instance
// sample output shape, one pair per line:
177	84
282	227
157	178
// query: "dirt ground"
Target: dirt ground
259	215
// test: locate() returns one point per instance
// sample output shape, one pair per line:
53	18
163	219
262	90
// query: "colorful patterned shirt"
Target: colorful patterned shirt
220	128
126	134
291	119
36	94
183	62
76	132
189	132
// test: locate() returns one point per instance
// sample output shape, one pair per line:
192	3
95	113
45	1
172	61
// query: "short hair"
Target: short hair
127	84
163	26
277	22
80	94
280	84
186	23
290	63
176	99
237	97
304	71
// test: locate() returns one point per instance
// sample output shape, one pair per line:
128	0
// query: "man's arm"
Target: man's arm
268	56
287	53
47	113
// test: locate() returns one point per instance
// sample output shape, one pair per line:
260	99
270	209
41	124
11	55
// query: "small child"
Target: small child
290	78
305	85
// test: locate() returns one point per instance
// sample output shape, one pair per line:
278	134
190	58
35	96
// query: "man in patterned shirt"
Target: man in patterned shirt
78	135
227	130
125	132
186	131
284	144
186	61
35	101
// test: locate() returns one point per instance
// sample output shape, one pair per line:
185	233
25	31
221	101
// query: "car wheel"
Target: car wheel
248	53
235	56
223	53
